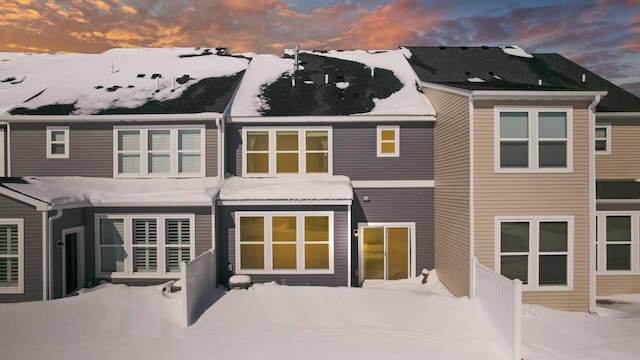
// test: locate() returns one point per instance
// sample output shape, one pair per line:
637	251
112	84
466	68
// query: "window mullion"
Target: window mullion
300	242
302	145
272	152
534	257
534	141
173	151
161	243
268	243
144	152
128	245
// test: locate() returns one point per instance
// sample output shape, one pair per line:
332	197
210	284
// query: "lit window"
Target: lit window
533	140
11	256
282	151
284	243
143	246
603	139
388	139
159	151
536	251
618	242
57	142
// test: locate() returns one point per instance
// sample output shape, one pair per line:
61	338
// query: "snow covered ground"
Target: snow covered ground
401	320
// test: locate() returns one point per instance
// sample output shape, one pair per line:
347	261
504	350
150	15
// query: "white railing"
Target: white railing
198	286
501	299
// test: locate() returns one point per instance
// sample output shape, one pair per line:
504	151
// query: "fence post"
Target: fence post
517	341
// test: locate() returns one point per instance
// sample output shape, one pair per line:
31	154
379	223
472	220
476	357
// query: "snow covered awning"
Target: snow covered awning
74	191
289	190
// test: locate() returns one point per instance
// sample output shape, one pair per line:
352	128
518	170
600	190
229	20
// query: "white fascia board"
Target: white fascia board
40	205
370	184
153	204
446	88
283	202
535	95
331	119
110	118
617	115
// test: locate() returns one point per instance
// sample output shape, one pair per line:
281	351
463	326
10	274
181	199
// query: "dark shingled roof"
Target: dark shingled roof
452	66
617	189
317	98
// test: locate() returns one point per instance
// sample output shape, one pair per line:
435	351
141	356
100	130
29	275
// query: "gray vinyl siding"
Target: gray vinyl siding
355	151
227	254
203	235
90	149
397	205
12	209
71	218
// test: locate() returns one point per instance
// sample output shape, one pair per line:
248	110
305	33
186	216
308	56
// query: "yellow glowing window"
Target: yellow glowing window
287	152
283	238
252	242
317	151
388	141
316	238
257	148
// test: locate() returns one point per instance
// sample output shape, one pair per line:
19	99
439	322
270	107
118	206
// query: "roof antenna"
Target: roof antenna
112	67
296	50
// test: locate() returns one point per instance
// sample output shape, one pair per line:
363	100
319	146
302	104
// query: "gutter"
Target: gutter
617	115
109	118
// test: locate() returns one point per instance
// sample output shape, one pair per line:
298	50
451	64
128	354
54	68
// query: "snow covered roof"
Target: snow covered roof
290	188
119	81
331	83
58	191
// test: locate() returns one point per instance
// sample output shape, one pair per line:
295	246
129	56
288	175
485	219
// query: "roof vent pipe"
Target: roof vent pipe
539	81
296	50
326	78
584	77
373	71
158	83
293	82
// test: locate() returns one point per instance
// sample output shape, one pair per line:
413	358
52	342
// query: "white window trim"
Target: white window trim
20	288
601	243
144	152
302	165
379	141
65	142
300	215
534	241
533	139
607	140
128	245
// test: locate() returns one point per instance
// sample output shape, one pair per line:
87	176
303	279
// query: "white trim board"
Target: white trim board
368	184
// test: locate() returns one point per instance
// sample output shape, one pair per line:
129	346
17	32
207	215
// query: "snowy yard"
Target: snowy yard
406	320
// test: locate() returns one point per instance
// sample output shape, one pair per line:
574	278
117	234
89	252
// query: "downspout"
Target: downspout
592	203
47	263
220	133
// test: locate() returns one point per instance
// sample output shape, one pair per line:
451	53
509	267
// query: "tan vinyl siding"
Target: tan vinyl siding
452	176
624	160
534	194
617	284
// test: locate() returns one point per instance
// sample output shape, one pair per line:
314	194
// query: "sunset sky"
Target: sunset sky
602	35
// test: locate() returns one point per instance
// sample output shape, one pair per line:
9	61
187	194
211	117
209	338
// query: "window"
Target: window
159	151
618	242
11	256
536	251
143	246
388	139
57	142
284	242
533	140
282	151
603	139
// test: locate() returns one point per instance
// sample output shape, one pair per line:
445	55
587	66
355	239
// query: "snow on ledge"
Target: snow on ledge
515	50
302	187
475	79
74	189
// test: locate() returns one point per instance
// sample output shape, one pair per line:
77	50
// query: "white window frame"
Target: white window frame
534	250
19	289
65	142
601	243
128	245
379	141
302	150
174	152
268	243
607	139
533	140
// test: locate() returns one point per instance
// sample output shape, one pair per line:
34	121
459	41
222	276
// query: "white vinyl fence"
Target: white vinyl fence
501	299
198	286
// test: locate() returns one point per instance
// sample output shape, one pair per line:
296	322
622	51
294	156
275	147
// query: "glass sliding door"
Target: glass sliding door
386	252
